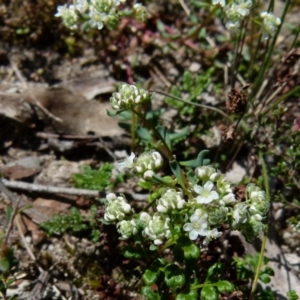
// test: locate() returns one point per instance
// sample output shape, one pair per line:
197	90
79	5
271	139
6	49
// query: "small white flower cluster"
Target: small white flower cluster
211	206
156	227
208	204
140	11
116	208
144	165
236	13
269	24
198	226
247	216
147	163
99	13
171	199
237	10
128	97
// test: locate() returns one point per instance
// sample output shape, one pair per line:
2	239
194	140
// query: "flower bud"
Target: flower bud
127	228
128	97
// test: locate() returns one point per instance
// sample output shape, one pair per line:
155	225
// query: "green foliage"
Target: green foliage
94	179
193	86
74	223
246	267
8	261
292	295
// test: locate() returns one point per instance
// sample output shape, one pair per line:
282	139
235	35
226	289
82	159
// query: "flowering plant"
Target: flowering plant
187	209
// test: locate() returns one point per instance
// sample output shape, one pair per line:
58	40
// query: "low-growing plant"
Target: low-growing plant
191	204
75	223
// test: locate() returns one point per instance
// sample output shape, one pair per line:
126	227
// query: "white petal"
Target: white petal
188	227
208	186
198	189
193	235
214	195
161	208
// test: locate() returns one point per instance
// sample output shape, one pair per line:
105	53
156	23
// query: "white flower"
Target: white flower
158	228
206	195
148	174
81	5
140	12
127	228
223	186
205	172
116	208
269	25
243	7
171	199
145	217
158	160
97	19
211	235
61	10
220	2
228	199
239	214
127	163
68	15
149	160
197	226
128	96
233	27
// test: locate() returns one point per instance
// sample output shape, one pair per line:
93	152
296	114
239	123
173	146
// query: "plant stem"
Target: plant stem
272	107
265	64
133	130
263	245
166	151
192	103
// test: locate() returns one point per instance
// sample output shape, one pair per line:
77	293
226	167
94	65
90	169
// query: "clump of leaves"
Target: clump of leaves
74	222
246	268
94	179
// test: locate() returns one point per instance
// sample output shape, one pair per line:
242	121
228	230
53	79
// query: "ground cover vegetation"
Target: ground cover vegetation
205	100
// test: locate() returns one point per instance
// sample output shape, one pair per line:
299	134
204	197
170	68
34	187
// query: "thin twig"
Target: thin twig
49	189
192	103
13	199
185	8
161	76
11	221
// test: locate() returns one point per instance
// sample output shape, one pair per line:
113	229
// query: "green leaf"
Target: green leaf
174	276
209	293
177	172
224	286
114	112
4	265
269	271
191	251
150	294
132	252
178	136
150	276
214	271
198	162
8	212
165	135
192	295
164	180
264	278
187	81
144	134
292	295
